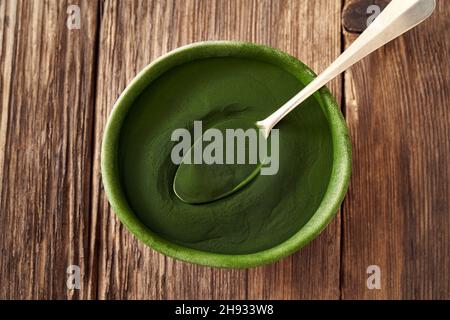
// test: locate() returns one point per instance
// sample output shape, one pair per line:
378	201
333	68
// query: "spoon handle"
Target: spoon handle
397	18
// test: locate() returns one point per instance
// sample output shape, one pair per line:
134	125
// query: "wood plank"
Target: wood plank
47	87
135	33
7	47
132	34
396	214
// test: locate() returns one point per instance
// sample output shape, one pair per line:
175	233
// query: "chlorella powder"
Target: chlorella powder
270	208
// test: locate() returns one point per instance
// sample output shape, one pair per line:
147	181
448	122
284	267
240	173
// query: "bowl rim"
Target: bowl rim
331	201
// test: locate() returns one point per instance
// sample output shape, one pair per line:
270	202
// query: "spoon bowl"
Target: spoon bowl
224	170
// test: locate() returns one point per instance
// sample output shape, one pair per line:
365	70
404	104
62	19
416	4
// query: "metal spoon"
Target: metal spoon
397	18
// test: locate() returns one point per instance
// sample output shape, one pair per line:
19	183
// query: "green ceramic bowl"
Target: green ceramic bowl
269	219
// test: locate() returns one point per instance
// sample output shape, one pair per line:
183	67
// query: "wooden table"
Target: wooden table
58	86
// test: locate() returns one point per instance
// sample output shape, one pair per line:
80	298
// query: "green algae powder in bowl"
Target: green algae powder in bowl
269	218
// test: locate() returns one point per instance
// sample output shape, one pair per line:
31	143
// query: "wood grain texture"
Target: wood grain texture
135	33
47	111
58	87
397	213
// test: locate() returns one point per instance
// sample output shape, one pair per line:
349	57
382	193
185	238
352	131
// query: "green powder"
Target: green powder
265	212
